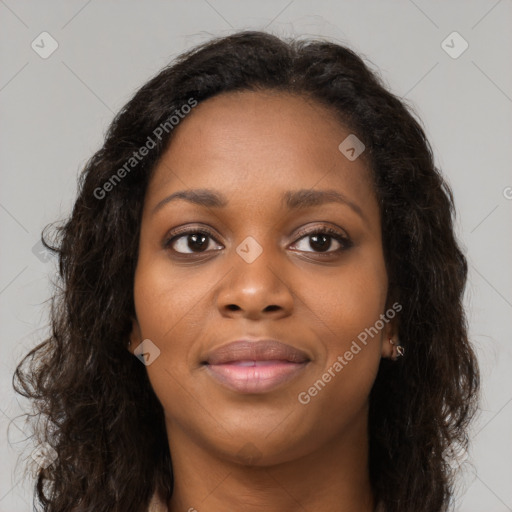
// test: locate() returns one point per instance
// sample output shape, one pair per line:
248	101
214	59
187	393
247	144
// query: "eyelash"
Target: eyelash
343	240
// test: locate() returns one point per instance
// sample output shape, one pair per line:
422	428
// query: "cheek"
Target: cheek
172	309
158	312
167	303
350	333
166	310
348	301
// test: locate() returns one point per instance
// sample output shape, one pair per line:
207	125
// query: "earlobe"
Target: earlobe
390	345
397	349
387	348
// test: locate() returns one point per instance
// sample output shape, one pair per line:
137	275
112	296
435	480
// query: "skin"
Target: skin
266	451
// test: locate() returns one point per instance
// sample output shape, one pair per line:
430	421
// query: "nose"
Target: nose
255	289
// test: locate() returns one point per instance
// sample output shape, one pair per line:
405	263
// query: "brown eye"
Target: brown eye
321	240
190	241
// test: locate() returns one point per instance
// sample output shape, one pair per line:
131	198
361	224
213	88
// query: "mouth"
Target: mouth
255	366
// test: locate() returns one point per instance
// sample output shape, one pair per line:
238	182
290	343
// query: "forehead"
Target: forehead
254	146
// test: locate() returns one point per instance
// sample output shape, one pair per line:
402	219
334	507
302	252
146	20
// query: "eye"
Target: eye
321	240
199	240
190	241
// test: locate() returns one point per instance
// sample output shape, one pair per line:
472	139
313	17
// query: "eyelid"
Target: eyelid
185	230
341	237
324	228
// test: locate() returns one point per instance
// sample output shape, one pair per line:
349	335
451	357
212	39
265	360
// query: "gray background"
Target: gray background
55	112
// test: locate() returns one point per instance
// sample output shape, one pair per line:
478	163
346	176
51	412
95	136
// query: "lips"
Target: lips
255	366
260	350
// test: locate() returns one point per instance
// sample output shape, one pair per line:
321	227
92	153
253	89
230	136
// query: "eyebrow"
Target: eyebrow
293	199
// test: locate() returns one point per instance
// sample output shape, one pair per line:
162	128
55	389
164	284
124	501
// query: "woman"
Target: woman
261	304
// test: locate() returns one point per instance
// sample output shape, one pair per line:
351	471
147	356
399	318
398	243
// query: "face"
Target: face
285	245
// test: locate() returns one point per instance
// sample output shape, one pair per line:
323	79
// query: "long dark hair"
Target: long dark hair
100	413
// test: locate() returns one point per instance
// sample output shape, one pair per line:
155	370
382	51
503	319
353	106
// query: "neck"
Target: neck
332	478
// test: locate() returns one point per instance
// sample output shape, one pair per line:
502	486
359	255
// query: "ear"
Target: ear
390	331
135	336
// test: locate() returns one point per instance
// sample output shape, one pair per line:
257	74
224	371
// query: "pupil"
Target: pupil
197	241
321	246
199	245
